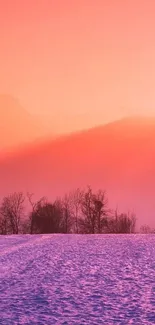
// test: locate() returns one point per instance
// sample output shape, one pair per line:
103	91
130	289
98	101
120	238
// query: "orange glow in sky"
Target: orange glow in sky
83	62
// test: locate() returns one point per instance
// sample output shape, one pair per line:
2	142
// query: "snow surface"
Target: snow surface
77	279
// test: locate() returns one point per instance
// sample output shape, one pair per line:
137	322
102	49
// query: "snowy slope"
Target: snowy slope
75	279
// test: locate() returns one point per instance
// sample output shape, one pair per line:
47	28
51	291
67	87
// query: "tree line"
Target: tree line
79	212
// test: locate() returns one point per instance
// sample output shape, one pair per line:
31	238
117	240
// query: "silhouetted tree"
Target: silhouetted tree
94	211
80	211
48	218
11	211
122	223
76	199
3	225
145	229
101	211
65	205
35	206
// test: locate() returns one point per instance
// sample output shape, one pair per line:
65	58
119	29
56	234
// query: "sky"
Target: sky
80	63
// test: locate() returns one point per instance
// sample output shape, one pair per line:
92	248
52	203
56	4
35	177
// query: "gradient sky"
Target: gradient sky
83	62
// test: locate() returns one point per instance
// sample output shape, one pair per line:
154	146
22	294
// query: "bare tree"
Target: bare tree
3	225
35	208
11	210
112	225
66	206
122	223
94	210
87	222
76	198
101	211
133	220
145	229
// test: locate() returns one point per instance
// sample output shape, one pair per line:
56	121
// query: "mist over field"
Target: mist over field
118	157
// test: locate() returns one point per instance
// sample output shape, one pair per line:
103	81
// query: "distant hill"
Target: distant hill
118	157
17	126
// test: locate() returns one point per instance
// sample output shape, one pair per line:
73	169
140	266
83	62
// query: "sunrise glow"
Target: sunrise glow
81	62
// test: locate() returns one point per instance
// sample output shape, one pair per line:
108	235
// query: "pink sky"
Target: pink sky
83	62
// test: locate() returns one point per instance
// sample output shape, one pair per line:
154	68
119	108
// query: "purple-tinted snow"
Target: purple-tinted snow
75	279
